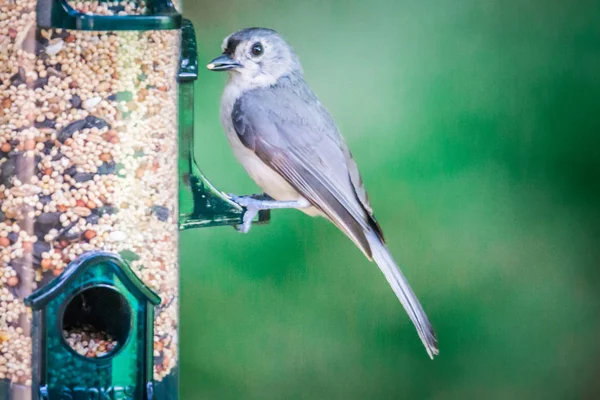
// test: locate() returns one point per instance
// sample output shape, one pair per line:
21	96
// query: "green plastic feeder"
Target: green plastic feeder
97	177
98	289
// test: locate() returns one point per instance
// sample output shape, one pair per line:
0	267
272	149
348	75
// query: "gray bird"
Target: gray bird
289	144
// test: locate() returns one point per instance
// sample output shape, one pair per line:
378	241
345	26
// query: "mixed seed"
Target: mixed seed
88	161
109	7
88	342
114	7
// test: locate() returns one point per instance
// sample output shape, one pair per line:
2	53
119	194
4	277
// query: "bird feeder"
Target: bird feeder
97	178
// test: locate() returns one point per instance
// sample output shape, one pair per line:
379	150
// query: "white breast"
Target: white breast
270	181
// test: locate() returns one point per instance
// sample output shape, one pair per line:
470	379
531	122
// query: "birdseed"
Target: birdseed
89	342
109	7
88	161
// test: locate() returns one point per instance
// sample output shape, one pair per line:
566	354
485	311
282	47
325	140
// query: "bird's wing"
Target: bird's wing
359	189
290	131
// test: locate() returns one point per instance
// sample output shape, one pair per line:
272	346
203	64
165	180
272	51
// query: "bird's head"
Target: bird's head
257	56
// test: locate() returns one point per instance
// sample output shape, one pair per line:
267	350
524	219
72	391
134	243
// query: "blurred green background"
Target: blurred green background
475	125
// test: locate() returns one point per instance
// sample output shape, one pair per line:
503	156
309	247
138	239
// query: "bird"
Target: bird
289	144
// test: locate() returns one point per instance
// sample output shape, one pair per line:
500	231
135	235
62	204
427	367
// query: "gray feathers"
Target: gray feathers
244	35
251	33
288	129
402	289
290	145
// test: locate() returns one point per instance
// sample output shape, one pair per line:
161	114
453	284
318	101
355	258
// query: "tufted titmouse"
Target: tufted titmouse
289	144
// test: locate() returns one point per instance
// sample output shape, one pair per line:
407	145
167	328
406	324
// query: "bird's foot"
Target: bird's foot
252	201
255	203
249	215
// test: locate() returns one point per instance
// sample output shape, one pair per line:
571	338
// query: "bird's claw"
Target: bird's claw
236	199
242	228
249	203
253	201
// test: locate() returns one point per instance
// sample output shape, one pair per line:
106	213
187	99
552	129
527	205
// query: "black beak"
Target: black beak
223	63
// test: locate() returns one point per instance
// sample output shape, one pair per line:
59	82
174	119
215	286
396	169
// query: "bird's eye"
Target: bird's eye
257	49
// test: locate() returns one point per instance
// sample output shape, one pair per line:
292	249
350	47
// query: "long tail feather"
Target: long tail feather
409	301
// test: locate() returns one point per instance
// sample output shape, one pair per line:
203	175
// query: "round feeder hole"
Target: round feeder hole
96	322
